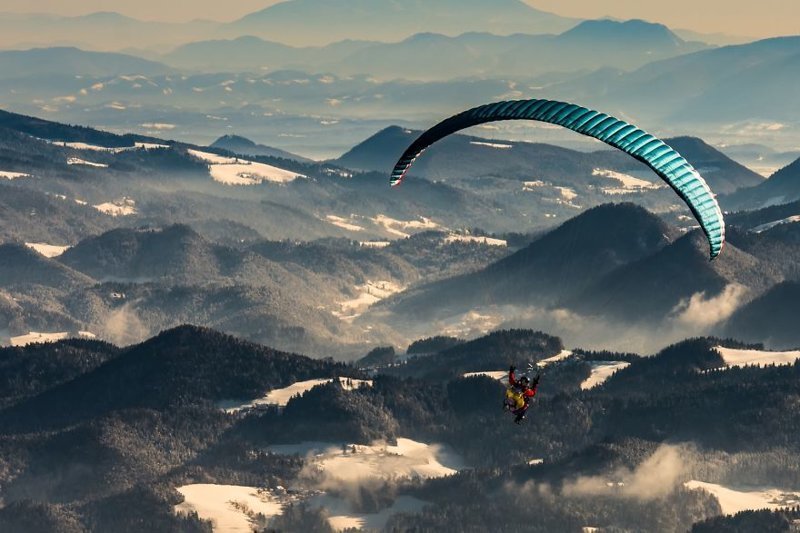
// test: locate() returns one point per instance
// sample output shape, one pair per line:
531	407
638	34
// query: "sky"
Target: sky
760	18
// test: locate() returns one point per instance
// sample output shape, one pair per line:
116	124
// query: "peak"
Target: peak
617	210
426	37
227	140
621	30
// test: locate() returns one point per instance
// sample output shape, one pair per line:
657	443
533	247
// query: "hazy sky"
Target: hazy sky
736	17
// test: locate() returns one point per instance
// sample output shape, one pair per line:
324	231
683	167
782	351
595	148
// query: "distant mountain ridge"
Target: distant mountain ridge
244	146
782	187
437	55
330	21
69	61
469	156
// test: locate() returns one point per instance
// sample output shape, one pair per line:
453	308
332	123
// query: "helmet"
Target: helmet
524	380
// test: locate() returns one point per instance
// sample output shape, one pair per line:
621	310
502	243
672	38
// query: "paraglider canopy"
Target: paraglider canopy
655	153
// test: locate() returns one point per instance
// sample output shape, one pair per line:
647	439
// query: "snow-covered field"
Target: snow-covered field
335	464
375	244
530	186
474	238
282	396
735	357
471	323
235	171
47	250
499	375
118	208
734	500
229	507
90	147
770	225
601	371
401	228
36	337
343	223
492	145
341	515
566	193
77	161
563	354
368	294
5	174
629	184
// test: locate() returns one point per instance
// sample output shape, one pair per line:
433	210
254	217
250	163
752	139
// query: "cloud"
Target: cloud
655	478
701	312
123	327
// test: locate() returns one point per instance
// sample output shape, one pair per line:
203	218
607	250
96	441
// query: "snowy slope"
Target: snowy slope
282	396
732	500
362	464
735	357
47	250
227	506
601	371
235	171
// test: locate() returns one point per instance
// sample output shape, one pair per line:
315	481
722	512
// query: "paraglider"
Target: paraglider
519	394
655	153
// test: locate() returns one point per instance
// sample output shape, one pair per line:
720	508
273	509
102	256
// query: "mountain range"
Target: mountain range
121	463
191	249
437	56
321	111
322	22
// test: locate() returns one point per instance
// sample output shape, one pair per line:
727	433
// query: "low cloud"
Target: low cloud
656	477
702	312
123	327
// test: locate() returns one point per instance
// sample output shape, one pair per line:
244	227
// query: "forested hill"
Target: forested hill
104	437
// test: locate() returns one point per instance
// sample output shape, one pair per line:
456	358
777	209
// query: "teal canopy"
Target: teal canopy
655	153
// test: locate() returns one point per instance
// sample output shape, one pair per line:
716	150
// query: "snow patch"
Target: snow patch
343	223
530	186
374	244
229	507
150	146
499	375
281	397
474	238
36	337
235	171
470	324
338	464
5	174
118	208
47	250
566	193
770	225
733	500
601	371
400	228
341	515
628	182
563	354
737	357
492	145
76	161
369	293
90	147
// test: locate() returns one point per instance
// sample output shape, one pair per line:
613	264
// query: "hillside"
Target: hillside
560	263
